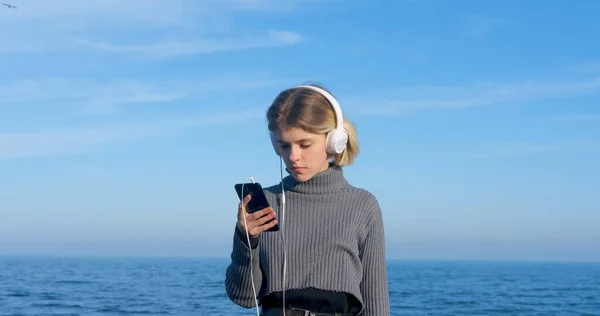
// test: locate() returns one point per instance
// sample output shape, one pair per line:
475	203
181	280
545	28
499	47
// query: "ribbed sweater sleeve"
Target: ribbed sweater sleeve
238	284
374	285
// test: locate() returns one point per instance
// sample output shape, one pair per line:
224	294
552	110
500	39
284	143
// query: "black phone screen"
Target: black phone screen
258	199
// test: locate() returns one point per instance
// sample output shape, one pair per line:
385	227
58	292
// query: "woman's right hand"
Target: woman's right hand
256	222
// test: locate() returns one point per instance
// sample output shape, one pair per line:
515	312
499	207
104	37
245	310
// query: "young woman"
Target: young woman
328	257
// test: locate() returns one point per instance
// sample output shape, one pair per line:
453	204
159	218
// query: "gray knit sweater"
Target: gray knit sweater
335	241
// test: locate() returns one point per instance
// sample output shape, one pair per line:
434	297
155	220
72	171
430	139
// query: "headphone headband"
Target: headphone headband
339	118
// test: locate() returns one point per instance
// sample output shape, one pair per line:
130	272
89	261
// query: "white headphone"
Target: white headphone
338	137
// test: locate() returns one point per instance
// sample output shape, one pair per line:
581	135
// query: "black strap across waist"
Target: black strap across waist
278	311
313	300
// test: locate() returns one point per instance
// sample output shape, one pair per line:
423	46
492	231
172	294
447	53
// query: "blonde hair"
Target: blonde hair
311	111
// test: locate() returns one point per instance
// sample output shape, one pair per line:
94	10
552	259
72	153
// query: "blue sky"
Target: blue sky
125	125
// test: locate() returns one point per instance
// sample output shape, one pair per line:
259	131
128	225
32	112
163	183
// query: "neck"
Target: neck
327	181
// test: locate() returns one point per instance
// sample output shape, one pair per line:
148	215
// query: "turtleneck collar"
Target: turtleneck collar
327	181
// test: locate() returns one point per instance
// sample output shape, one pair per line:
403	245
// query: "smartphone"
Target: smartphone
258	200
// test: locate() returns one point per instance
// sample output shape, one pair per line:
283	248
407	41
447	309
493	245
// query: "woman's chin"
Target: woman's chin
301	177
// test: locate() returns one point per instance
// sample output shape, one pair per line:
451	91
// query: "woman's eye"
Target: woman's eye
286	146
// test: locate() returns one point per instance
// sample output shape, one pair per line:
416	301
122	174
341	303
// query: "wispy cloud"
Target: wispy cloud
162	28
174	48
409	99
82	140
82	97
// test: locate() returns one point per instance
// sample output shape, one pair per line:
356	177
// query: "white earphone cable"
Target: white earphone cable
282	236
249	247
282	231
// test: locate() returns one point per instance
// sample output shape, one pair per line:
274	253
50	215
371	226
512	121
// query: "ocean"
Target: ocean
160	286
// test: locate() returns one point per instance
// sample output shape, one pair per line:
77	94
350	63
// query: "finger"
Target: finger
252	219
242	205
257	230
247	199
268	225
263	212
268	216
256	222
265	218
264	221
244	202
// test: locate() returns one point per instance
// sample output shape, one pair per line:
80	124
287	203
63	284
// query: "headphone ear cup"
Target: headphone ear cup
336	141
274	143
